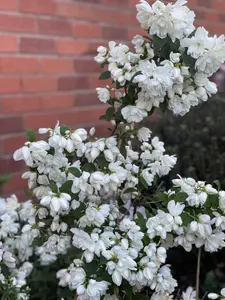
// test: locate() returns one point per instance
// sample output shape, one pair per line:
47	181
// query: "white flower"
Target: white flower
175	57
189	294
176	209
64	277
77	277
148	177
196	44
144	134
56	202
213	296
100	58
144	14
103	94
23	154
133	114
95	289
222	200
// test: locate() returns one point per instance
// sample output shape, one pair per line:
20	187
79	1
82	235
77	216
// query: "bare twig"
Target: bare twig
198	273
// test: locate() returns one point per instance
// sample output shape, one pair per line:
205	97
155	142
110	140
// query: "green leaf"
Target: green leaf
188	60
63	129
186	218
217	183
91	268
102	162
131	87
212	283
129	190
123	210
160	196
141	221
76	172
146	240
179	197
163	105
31	135
123	150
143	182
158	43
212	202
4	178
105	75
66	187
53	187
102	117
109	113
88	167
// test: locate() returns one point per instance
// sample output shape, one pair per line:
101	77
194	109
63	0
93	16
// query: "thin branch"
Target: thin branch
198	273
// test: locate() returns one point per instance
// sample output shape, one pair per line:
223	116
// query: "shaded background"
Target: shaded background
47	72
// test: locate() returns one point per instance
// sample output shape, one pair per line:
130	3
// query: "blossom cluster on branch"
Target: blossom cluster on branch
99	200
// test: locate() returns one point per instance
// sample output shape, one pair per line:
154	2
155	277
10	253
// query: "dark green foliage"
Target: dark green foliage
198	140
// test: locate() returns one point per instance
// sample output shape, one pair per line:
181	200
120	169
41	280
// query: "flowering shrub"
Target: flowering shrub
100	202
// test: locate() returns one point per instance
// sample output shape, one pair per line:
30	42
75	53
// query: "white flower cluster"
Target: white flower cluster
11	218
188	226
100	207
97	189
171	68
98	168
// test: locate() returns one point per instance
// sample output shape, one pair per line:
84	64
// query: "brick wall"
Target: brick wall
47	71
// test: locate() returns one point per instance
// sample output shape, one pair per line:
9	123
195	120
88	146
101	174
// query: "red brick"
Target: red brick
221	17
8	43
57	65
135	31
94	82
199	13
37	45
73	10
218	4
55	27
87	30
9	64
14	183
7	164
8	5
115	3
85	99
205	3
93	46
192	2
69	83
71	47
39	84
127	18
133	3
38	6
104	15
18	23
57	101
20	104
9	85
10	124
82	65
117	33
13	142
82	115
212	15
35	121
75	116
86	12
